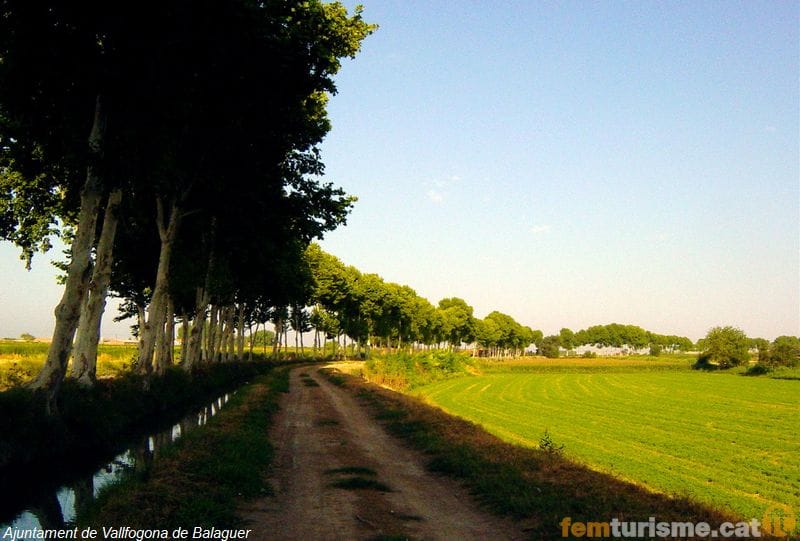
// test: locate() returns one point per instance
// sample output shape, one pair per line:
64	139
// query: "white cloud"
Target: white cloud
441	187
435	196
539	229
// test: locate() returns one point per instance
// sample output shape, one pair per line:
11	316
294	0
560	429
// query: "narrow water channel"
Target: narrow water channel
59	508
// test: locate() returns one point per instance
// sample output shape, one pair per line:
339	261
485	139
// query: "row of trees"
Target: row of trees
617	335
347	303
197	190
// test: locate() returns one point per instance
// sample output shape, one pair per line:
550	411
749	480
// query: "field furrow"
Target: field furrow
725	440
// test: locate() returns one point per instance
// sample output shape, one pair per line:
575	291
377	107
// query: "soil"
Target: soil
320	429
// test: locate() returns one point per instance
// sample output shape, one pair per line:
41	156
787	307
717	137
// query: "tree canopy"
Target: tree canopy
202	145
725	347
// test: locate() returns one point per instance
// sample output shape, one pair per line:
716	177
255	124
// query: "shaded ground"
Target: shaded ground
323	436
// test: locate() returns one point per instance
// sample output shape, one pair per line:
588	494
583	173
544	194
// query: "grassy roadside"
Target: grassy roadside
200	480
539	486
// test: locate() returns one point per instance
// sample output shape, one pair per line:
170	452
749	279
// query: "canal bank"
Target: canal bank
202	478
100	429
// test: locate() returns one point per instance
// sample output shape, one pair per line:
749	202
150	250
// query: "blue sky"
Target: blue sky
567	163
578	163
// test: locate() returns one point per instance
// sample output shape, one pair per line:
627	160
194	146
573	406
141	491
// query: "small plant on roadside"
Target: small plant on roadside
549	446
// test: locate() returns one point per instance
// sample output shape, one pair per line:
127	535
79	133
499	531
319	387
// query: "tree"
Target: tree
785	351
264	338
762	346
551	346
458	320
725	347
567	339
488	334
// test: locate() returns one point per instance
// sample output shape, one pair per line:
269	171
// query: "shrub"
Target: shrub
406	370
758	369
704	363
549	446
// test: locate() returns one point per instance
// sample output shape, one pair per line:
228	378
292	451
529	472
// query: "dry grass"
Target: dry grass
21	361
665	362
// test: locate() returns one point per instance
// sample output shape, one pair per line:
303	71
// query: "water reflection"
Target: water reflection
60	508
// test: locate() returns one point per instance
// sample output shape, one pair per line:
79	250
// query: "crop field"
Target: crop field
20	361
723	439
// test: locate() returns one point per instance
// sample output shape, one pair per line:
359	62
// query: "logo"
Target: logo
779	520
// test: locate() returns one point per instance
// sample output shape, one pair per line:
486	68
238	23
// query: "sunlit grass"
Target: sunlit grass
21	361
723	439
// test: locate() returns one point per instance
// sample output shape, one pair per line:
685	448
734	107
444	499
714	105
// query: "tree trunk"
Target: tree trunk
252	339
158	308
195	339
219	336
225	335
68	310
184	336
84	359
166	339
240	334
276	345
231	356
211	334
302	347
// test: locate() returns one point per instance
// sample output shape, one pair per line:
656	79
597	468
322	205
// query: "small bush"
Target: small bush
549	446
758	369
704	363
405	370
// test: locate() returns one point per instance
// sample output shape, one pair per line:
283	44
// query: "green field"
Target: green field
723	439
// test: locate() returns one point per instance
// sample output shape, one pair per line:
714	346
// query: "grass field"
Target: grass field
726	440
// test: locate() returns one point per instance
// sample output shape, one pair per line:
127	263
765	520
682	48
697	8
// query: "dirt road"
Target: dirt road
324	436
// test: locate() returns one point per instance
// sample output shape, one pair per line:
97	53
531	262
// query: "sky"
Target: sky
566	163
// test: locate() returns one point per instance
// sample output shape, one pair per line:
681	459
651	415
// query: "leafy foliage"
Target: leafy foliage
407	371
785	351
724	347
